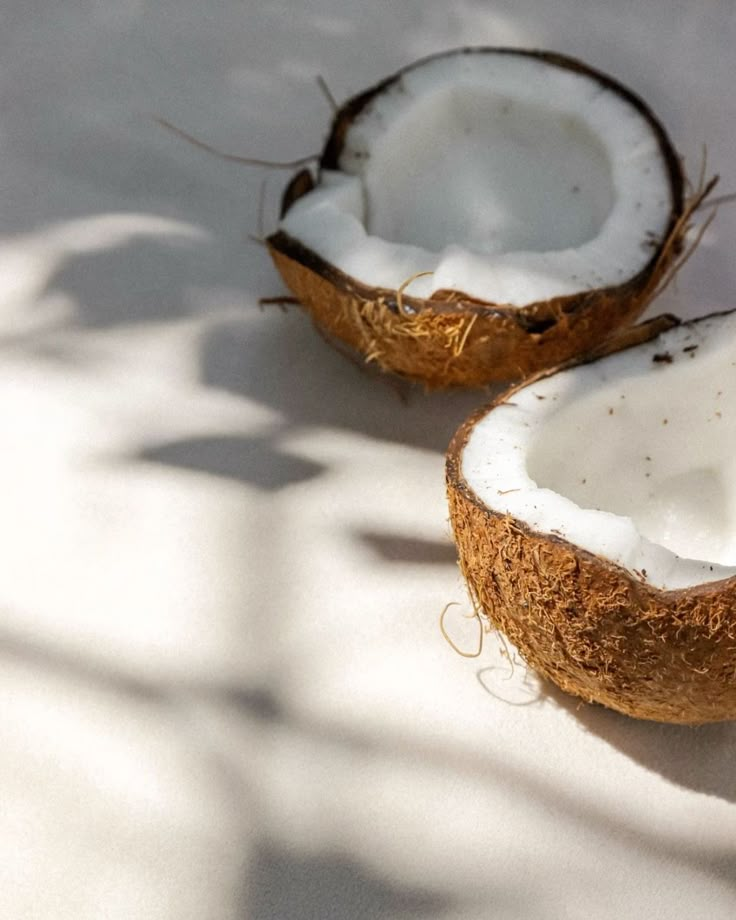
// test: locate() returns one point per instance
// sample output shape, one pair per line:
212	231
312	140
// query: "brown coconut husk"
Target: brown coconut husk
593	628
452	339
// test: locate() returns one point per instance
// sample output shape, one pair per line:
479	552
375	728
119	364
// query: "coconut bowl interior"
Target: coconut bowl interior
532	200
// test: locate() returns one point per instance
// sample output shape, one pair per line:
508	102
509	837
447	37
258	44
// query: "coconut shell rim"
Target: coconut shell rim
455	479
535	316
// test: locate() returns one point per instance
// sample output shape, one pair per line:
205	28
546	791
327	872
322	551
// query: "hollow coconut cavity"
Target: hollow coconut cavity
594	511
483	214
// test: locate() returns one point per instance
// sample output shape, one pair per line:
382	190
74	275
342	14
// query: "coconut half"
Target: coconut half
483	214
594	511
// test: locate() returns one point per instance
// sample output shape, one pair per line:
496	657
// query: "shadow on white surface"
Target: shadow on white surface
399	549
222	694
698	758
284	365
285	885
144	281
255	461
339	820
693	757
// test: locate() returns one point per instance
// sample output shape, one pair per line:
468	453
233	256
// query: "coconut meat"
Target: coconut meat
631	457
509	178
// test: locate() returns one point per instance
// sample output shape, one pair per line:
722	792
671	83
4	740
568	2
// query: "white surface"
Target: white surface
224	692
652	489
498	175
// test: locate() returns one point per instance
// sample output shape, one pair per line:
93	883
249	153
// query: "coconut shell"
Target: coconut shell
452	339
593	628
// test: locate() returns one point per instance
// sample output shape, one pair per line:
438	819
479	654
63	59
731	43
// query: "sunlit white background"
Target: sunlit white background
224	549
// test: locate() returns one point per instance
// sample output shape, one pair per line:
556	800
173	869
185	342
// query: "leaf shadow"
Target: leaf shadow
286	882
140	281
282	363
331	887
398	548
255	461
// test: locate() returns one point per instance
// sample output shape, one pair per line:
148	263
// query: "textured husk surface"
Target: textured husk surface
591	627
461	343
452	339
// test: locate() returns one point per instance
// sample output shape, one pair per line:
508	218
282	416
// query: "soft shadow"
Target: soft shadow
396	548
700	758
285	885
337	886
514	684
144	280
251	460
283	363
561	802
258	701
129	165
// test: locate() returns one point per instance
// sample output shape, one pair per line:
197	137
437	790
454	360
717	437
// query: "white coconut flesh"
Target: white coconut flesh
632	457
509	178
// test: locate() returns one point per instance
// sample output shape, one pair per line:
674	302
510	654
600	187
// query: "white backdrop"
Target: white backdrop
225	550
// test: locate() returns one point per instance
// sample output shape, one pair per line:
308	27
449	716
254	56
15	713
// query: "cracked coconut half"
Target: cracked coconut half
482	215
594	511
